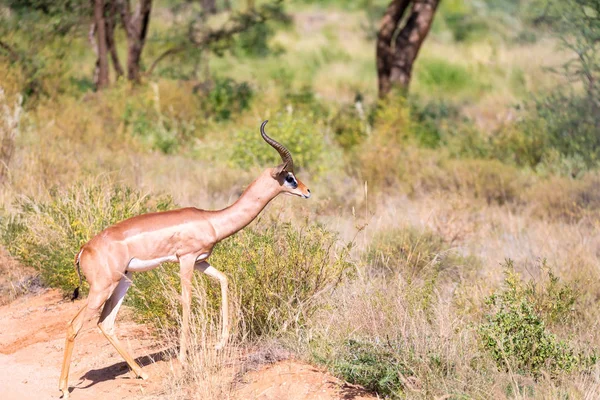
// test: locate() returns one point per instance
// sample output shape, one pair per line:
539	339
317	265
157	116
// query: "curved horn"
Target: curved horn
285	154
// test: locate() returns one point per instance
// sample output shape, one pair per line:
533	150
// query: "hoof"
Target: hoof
65	394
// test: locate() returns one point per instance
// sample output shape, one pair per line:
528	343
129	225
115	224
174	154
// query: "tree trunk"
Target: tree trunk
395	58
111	24
136	27
102	50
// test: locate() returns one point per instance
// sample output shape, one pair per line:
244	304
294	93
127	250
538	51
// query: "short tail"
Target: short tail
76	291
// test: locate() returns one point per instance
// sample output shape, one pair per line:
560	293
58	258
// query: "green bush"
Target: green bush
571	125
375	366
47	234
515	332
350	125
431	121
394	367
143	118
225	97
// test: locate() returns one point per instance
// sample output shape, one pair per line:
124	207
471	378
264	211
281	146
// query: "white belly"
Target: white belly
137	265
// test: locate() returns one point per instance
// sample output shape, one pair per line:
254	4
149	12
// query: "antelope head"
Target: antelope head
284	173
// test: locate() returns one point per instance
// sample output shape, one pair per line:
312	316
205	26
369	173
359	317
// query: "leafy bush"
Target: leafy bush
277	278
432	121
571	125
350	125
375	366
144	118
515	330
255	41
47	234
225	97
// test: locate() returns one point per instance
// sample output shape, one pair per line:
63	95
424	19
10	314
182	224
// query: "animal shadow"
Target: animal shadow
112	372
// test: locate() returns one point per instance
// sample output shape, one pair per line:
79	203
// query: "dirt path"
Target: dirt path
32	331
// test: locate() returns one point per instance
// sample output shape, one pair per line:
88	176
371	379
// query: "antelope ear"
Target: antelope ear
278	170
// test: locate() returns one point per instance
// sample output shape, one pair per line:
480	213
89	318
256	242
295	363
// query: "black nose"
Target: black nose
308	190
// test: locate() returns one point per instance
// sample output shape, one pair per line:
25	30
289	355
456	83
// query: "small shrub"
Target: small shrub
255	41
375	366
144	118
225	97
379	160
350	125
280	275
560	122
515	332
432	120
47	234
524	143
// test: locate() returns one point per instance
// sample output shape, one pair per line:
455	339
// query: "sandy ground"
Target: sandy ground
32	331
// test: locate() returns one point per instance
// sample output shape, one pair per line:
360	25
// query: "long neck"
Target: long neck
228	221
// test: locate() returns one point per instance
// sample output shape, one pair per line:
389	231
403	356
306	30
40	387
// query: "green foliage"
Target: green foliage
515	332
470	21
393	367
576	23
296	132
278	276
36	40
431	121
464	21
446	77
225	98
255	42
281	274
47	234
571	126
143	118
350	126
375	366
245	34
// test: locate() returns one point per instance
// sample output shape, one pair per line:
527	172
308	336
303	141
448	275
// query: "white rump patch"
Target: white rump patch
137	265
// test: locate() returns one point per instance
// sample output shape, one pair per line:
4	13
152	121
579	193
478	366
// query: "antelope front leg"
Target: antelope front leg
186	272
213	272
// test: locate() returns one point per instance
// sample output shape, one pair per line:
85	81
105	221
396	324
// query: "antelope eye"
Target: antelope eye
289	179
